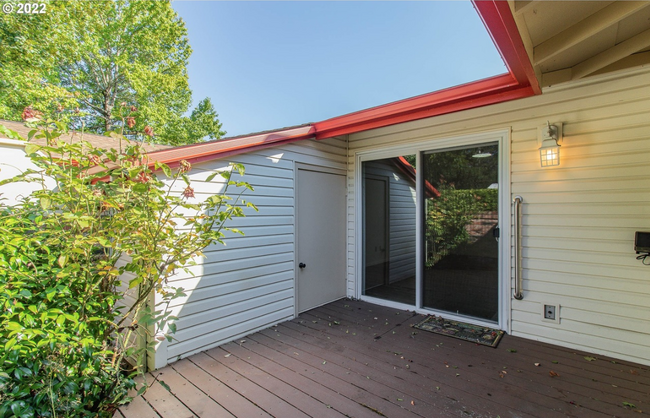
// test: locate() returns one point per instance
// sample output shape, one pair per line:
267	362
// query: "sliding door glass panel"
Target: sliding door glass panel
461	251
389	227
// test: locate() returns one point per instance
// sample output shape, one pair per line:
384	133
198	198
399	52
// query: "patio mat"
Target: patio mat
461	330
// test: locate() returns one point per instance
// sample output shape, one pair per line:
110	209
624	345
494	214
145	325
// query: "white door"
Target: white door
320	237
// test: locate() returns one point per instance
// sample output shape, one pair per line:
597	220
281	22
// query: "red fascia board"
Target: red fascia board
217	149
500	24
445	107
385	115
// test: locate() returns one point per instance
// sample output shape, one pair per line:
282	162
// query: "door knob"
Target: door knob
302	265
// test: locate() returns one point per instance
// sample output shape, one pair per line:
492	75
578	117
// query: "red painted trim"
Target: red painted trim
406	168
500	24
218	149
387	114
426	112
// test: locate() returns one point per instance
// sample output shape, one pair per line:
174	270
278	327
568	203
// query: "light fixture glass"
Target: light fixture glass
481	154
549	153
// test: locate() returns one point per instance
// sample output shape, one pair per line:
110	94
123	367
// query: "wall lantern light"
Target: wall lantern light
549	152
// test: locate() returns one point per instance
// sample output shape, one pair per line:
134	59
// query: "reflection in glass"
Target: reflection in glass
389	229
461	216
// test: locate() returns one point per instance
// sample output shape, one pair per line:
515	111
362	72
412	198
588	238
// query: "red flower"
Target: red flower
130	121
188	192
185	166
30	113
134	109
142	177
95	159
148	130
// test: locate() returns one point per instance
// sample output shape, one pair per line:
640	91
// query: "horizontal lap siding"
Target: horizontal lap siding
579	218
248	283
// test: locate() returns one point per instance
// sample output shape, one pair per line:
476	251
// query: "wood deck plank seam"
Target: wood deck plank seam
567	405
362	376
421	388
589	388
230	410
342	382
181	399
567	351
573	353
553	395
259	387
327	390
470	395
230	387
274	381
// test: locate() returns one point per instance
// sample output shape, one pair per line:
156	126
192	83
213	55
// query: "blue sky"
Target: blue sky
267	65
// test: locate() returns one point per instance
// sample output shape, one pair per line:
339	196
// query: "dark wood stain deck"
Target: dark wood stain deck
354	359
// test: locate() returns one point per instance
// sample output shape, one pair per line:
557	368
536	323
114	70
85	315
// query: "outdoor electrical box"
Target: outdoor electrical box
642	242
551	312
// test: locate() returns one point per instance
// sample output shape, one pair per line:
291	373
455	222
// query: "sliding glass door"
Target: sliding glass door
461	251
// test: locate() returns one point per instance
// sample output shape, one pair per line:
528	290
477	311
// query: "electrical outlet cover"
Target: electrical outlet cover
551	312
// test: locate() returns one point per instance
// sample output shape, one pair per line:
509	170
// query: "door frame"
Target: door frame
502	137
296	270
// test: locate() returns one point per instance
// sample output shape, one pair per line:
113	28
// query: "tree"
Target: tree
100	55
202	123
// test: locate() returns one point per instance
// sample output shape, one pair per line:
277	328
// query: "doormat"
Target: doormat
468	332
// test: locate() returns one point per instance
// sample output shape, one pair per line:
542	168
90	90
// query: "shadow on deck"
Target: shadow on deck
354	359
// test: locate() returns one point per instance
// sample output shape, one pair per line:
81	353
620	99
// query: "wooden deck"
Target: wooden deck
354	359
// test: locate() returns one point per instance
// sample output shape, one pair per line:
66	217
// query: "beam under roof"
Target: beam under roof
586	28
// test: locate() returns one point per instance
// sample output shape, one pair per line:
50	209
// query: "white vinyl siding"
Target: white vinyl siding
579	218
248	284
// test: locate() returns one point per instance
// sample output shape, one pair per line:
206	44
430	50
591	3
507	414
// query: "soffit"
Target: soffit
571	40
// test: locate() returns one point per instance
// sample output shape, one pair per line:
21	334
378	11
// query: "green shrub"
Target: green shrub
449	215
65	331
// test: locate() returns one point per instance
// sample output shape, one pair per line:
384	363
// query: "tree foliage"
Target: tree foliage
97	55
79	264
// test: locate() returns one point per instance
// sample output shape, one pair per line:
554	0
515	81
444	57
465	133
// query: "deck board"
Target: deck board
355	359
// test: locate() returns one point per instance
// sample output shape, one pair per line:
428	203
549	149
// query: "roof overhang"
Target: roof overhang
519	82
572	40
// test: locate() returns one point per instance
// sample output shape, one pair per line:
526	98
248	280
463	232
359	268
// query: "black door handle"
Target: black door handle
302	265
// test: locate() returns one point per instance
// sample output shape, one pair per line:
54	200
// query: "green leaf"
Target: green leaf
590	358
629	405
211	176
9	133
45	202
165	385
165	168
10	344
135	282
31	149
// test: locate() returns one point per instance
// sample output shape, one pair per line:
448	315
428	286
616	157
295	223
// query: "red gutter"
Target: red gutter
197	153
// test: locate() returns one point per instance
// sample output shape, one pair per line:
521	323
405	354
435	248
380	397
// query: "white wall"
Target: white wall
248	284
579	218
14	161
